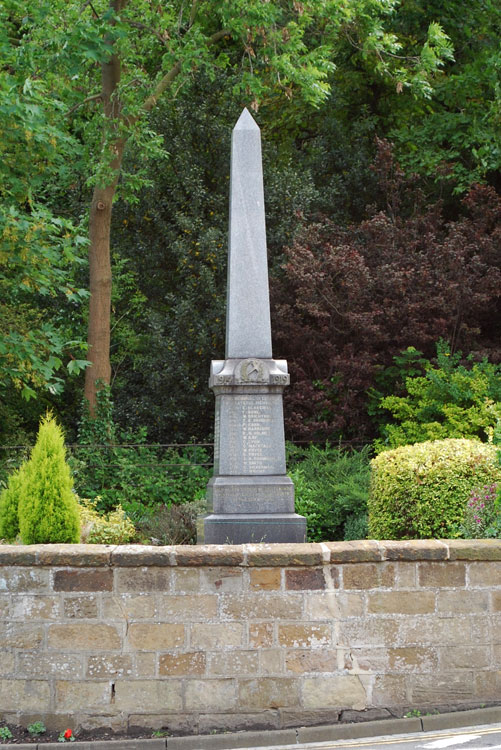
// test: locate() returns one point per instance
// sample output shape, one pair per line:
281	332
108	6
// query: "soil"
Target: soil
20	735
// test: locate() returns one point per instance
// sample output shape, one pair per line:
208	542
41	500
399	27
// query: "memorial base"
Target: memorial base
253	528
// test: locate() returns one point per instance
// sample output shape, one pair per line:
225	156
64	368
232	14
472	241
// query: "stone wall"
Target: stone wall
252	636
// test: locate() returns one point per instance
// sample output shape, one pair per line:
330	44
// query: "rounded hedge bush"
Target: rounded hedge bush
419	491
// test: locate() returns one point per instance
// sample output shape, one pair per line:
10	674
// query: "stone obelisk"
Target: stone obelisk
250	497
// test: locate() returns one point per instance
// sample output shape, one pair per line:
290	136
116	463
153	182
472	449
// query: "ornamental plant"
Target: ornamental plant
420	491
48	509
9	500
482	515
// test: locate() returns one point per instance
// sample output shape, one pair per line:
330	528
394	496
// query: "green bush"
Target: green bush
111	528
331	489
48	510
448	401
420	491
9	501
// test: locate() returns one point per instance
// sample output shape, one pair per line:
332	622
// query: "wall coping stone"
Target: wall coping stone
248	555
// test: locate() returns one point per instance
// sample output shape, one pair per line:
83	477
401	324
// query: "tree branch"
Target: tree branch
92	98
139	25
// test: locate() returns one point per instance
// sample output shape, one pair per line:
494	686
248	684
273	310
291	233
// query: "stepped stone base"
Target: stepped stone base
242	528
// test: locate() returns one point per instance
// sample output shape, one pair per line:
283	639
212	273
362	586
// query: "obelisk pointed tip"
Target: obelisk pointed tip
246	121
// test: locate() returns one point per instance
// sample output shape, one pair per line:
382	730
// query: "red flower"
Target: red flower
67	734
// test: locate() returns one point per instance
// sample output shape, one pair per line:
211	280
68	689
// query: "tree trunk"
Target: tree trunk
98	337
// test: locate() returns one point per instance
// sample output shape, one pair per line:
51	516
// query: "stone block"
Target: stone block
442	574
35	607
24	695
186	580
366	550
390	690
365	660
444	687
20	635
221	579
464	657
143	580
474	549
146	663
27	580
211	555
176	723
283	555
401	602
303	579
374	632
405	575
155	636
304	636
334	605
89	696
484	574
216	635
487	685
53	665
416	549
234	663
299	661
74	555
182	664
434	630
18	554
80	607
260	606
259	720
7	665
412	659
261	634
148	695
368	576
268	692
210	695
266	579
298	717
138	555
5	606
93	579
187	608
109	665
131	606
83	637
339	691
271	661
462	601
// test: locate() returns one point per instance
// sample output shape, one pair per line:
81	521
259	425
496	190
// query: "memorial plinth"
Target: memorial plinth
250	495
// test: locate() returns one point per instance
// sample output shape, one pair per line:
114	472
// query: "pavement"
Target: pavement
461	730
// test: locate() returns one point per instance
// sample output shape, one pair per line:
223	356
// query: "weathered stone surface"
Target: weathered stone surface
413	659
330	605
484	574
135	556
41	665
434	630
210	695
193	608
271	661
239	722
234	662
284	555
24	579
24	695
260	606
182	664
83	637
17	554
307	718
366	550
72	695
391	690
462	602
219	635
368	633
143	579
131	606
445	687
155	636
299	579
146	663
80	607
213	555
301	636
148	695
35	607
268	692
112	665
401	602
261	634
438	575
339	691
306	660
7	664
221	579
20	635
74	555
464	657
95	579
368	576
417	549
266	579
474	549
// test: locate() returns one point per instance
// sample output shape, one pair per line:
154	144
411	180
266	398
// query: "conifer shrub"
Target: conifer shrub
9	501
48	509
420	491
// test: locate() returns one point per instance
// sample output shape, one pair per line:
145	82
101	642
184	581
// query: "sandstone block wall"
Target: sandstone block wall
253	636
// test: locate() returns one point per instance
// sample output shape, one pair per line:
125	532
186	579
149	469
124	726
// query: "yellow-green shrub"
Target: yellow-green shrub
48	509
112	528
419	491
9	501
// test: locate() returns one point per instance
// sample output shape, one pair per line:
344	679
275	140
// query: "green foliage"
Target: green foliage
111	528
174	524
5	733
9	502
449	400
420	491
482	514
114	467
47	507
38	727
331	489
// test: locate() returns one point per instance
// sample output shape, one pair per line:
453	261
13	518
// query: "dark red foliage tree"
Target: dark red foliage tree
349	299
